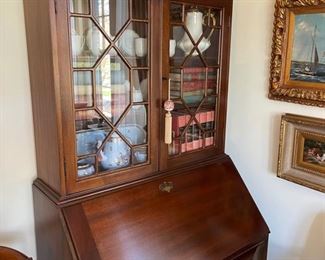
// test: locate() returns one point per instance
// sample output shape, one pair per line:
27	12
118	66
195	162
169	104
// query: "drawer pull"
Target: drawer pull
166	186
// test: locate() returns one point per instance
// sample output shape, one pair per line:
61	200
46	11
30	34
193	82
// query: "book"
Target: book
176	147
190	77
180	120
193	85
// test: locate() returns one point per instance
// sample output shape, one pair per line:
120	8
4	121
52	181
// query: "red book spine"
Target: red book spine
179	121
195	145
197	70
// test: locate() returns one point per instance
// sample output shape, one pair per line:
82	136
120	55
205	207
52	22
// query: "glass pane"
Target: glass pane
86	167
133	44
89	119
111	15
88	142
174	147
134	126
194	83
176	13
79	6
177	49
115	154
87	42
209	139
175	76
193	139
112	86
140	9
206	118
140	85
83	91
209	103
140	155
213	80
180	119
215	18
211	54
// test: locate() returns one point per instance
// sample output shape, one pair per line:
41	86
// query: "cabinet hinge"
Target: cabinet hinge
55	8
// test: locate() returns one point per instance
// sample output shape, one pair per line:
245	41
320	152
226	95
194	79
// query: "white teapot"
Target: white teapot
194	21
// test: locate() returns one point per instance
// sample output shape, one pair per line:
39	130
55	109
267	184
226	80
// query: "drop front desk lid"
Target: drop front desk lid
208	214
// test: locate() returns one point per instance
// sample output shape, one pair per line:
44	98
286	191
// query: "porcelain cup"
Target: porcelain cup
172	47
141	47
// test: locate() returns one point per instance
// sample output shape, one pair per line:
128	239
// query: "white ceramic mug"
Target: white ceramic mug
172	47
140	47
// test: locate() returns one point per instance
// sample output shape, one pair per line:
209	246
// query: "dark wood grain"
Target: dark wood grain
81	234
53	242
209	214
42	57
7	253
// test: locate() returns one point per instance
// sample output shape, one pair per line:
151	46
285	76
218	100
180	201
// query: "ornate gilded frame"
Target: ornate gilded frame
280	87
292	166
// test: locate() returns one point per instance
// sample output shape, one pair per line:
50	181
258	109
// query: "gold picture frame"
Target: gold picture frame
298	52
302	151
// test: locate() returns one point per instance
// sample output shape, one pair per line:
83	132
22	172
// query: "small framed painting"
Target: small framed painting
298	52
302	151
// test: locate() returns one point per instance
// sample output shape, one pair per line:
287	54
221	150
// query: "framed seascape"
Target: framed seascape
302	151
298	52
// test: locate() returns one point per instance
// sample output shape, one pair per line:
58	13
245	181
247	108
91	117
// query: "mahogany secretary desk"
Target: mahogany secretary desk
129	105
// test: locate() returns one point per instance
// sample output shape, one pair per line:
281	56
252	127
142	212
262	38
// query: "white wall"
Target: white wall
17	155
295	214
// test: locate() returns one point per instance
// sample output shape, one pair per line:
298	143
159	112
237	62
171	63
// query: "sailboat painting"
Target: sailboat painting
308	53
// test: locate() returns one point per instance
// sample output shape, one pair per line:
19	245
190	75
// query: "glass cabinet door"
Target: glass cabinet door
110	65
194	72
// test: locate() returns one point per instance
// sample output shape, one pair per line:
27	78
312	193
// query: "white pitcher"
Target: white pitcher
194	23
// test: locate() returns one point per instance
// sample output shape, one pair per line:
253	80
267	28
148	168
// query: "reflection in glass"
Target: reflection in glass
140	85
133	44
86	167
111	15
79	6
88	142
211	55
140	9
83	92
134	126
140	155
87	42
89	119
115	154
112	86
